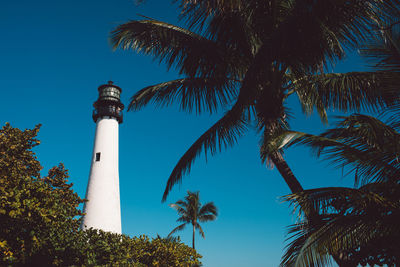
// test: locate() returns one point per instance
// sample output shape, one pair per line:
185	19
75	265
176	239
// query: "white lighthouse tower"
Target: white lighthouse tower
102	210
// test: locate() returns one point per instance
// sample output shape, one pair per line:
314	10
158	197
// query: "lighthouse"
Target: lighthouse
102	209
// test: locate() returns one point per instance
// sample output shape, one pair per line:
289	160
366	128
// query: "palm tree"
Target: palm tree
360	224
192	212
249	56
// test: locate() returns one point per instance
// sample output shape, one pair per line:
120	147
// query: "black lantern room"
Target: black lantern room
108	103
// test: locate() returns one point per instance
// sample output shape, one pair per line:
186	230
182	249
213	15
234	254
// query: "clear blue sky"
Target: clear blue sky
54	55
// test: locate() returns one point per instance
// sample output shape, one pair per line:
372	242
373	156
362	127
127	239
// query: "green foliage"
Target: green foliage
103	248
40	219
32	208
164	252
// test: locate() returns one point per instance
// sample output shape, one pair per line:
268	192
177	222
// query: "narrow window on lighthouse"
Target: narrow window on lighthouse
98	156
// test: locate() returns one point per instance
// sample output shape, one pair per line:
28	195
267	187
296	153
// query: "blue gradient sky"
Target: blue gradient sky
54	55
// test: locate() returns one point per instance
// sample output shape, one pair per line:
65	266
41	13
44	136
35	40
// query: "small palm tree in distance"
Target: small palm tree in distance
192	212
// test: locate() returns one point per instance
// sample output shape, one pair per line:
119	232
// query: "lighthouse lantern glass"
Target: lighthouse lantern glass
110	93
108	103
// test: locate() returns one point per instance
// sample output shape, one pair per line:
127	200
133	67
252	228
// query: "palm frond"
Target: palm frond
299	234
181	209
197	94
233	29
391	116
310	100
358	128
207	217
329	25
198	227
193	54
208	212
178	228
353	223
348	91
382	49
185	218
293	248
196	13
340	199
365	144
222	134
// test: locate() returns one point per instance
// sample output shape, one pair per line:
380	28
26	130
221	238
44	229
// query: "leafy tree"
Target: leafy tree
192	212
40	219
249	56
359	224
32	208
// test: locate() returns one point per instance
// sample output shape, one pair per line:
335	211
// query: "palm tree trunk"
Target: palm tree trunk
291	181
286	172
194	231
